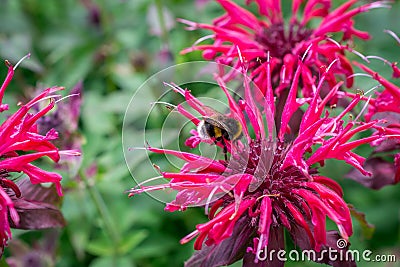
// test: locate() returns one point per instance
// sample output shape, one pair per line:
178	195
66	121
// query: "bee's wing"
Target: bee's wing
218	121
210	112
215	121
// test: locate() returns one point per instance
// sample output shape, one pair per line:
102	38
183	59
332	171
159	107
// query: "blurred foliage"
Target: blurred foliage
113	47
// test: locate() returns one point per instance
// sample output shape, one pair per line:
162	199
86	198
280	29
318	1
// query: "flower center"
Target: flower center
263	160
279	41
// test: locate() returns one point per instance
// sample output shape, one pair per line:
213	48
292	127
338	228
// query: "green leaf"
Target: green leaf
109	261
132	241
3	262
103	247
367	228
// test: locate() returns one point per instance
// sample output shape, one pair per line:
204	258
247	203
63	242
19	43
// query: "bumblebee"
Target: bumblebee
219	128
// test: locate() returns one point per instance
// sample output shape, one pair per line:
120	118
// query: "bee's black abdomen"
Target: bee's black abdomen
220	129
234	129
209	129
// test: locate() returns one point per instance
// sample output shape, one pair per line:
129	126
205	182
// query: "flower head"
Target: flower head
270	182
240	35
21	144
384	161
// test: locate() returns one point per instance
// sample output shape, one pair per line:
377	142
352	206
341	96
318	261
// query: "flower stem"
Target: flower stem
161	20
109	224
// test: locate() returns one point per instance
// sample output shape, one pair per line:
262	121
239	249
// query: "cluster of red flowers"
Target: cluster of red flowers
274	182
26	205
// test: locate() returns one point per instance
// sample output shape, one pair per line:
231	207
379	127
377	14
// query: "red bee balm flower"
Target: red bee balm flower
20	146
269	183
241	34
384	105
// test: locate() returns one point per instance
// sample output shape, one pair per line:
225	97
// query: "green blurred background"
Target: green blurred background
113	47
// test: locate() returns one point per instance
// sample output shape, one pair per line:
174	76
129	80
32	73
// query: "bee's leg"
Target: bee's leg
226	135
225	149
